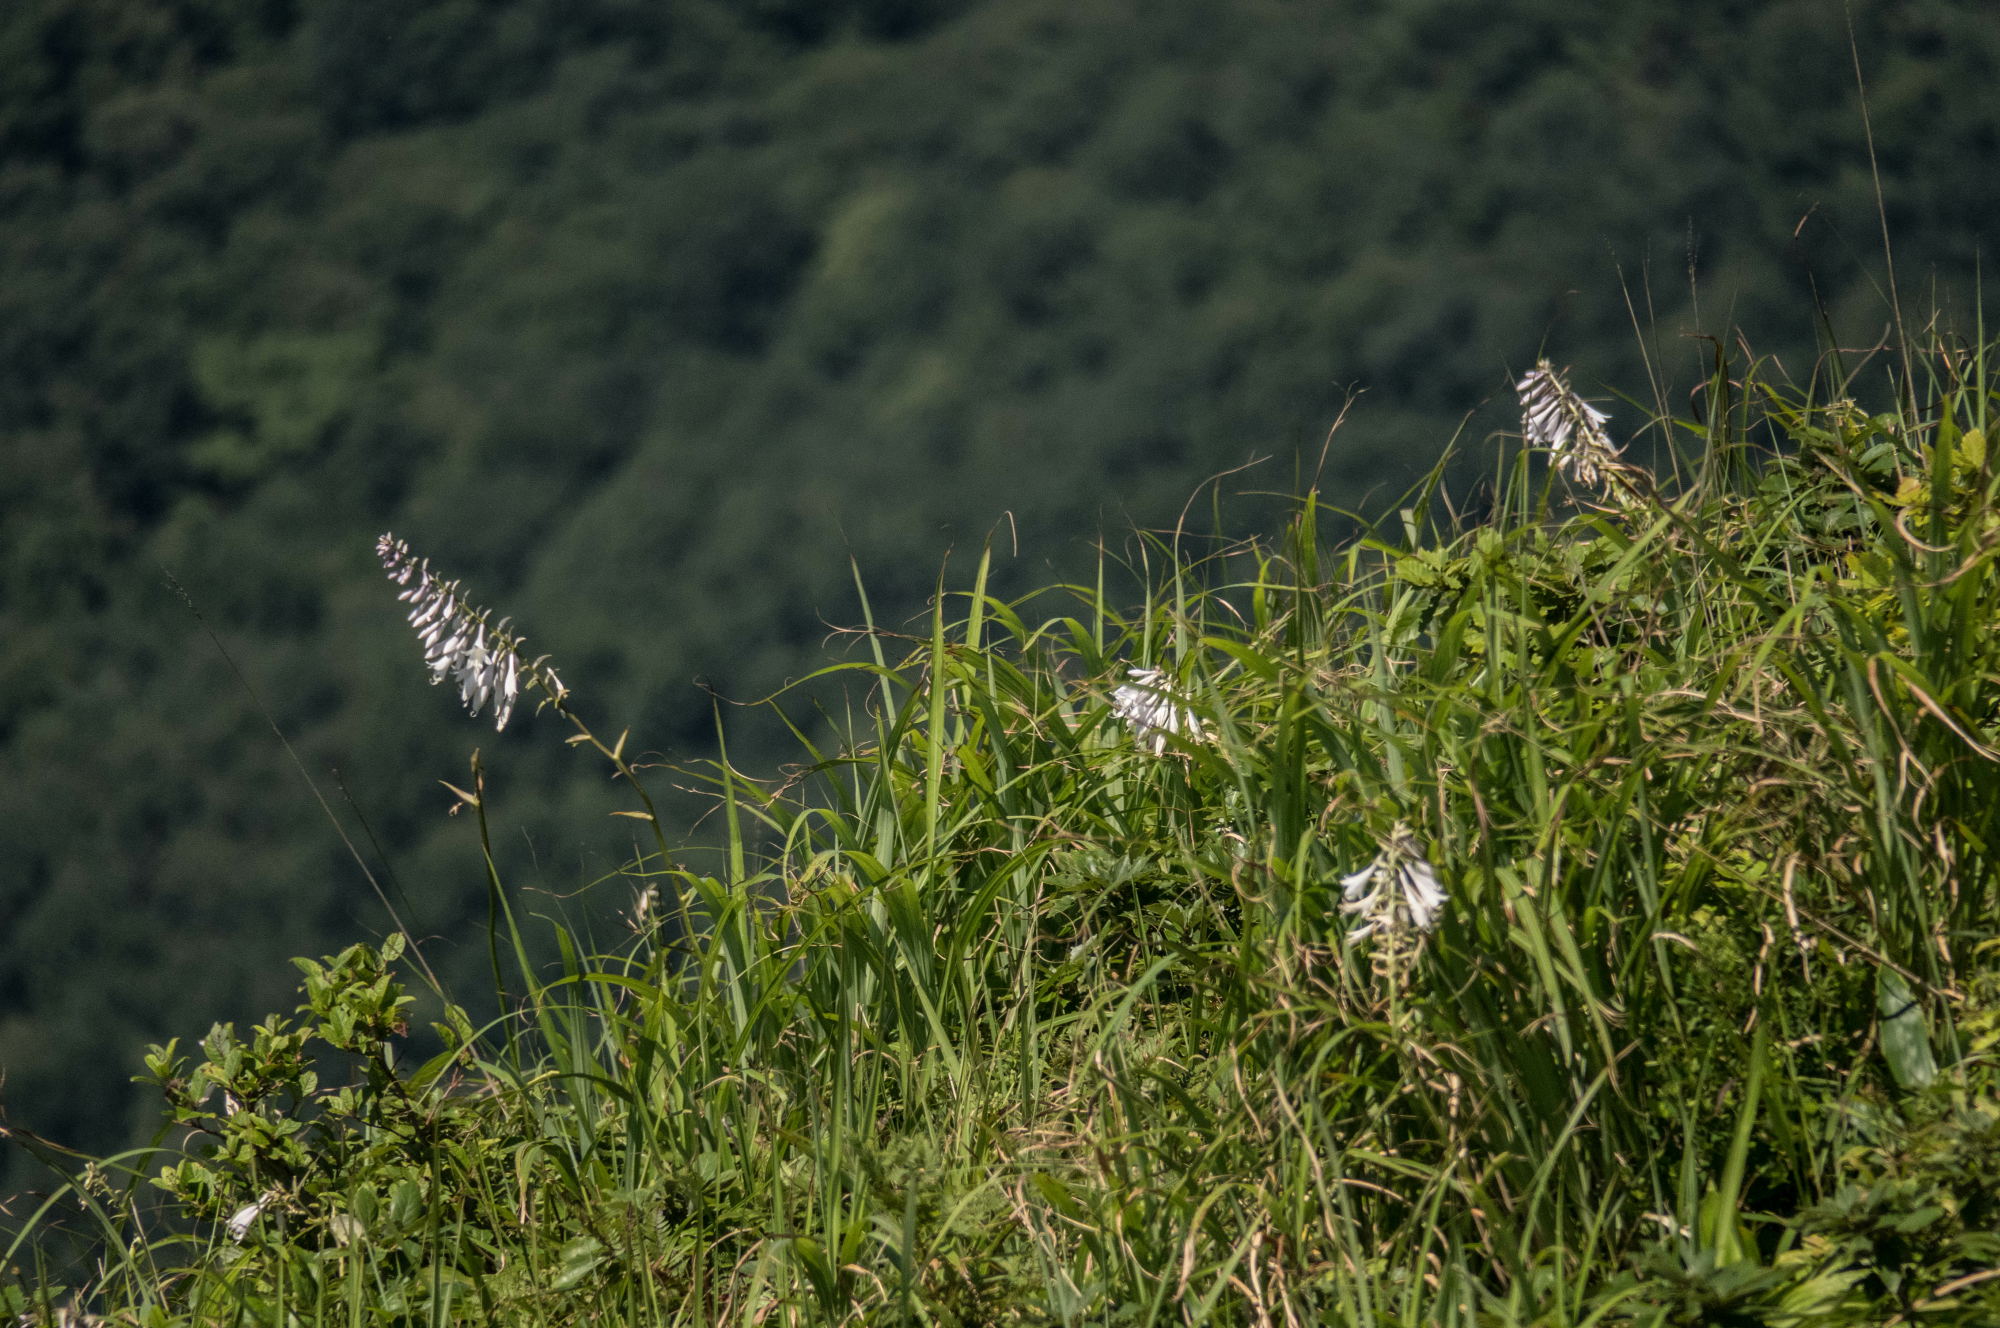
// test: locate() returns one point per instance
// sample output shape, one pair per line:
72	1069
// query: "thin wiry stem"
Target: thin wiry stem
462	642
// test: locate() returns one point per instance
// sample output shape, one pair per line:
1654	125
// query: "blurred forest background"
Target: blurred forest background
645	316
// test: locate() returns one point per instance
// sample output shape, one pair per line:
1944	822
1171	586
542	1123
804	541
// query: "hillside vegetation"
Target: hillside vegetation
1575	913
648	316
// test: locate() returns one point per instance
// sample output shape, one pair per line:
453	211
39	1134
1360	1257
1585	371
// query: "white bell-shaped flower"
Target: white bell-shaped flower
1398	891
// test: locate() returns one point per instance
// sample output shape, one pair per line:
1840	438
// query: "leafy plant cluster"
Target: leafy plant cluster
1030	1001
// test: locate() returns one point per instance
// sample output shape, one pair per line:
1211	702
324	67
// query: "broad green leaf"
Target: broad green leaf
1905	1035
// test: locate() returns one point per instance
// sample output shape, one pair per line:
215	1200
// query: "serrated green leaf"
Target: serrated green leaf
579	1258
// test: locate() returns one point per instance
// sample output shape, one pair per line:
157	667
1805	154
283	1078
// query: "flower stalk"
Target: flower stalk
462	642
1555	417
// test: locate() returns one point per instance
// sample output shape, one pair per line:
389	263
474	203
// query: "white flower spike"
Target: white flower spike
1153	712
240	1221
1555	417
1396	890
461	642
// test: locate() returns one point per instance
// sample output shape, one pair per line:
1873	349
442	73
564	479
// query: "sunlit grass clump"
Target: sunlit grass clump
1582	915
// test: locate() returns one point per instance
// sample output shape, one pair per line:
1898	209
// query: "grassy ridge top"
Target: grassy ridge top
1060	994
616	303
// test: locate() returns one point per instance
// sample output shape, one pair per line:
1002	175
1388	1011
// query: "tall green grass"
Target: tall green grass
989	1013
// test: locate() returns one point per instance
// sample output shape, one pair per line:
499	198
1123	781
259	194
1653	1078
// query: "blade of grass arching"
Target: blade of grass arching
1381	712
1097	603
912	932
882	809
732	821
1223	1277
1982	348
868	617
565	1038
1573	966
1302	539
1179	570
935	735
1527	935
56	1159
1723	1238
1557	1147
976	612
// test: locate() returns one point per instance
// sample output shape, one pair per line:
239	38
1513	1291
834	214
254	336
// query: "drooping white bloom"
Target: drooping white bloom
1398	889
1555	417
66	1316
645	908
241	1220
1153	712
460	641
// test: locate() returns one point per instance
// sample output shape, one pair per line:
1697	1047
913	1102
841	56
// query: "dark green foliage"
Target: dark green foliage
646	316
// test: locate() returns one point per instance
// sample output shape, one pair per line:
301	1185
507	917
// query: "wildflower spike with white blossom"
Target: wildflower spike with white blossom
1152	712
241	1220
1555	417
1397	890
462	642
